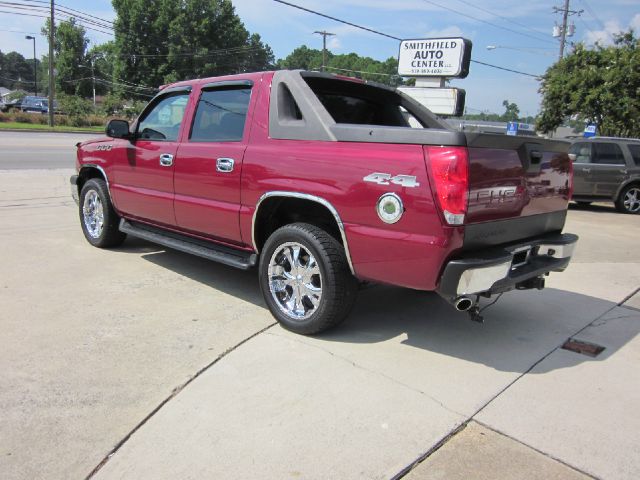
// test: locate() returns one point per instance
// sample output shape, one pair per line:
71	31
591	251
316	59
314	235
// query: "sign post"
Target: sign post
431	61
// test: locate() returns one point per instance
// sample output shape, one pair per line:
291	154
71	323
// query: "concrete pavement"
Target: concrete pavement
95	341
35	150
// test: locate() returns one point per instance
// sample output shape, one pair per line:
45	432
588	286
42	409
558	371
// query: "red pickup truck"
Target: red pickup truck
323	181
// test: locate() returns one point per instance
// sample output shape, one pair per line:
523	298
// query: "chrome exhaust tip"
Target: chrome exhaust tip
463	304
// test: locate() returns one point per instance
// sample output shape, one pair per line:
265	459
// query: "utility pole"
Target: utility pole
324	34
35	66
52	28
93	77
564	30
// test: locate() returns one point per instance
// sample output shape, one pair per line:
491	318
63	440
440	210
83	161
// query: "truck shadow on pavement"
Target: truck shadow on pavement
521	328
594	207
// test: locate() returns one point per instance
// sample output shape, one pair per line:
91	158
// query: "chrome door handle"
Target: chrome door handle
225	165
166	159
586	170
623	171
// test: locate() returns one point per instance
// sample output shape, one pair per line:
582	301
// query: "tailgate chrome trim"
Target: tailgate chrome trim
475	280
557	251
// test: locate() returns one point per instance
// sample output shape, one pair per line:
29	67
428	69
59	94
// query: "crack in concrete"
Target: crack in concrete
458	429
174	392
629	297
548	455
369	370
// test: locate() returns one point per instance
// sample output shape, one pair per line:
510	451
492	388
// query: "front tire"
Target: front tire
629	200
98	219
305	279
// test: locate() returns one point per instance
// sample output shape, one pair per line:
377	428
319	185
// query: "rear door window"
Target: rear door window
582	151
221	115
608	153
635	153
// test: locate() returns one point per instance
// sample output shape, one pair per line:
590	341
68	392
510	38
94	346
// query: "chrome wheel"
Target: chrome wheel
295	280
93	214
631	200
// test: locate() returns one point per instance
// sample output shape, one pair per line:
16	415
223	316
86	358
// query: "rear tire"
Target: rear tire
629	200
305	279
98	219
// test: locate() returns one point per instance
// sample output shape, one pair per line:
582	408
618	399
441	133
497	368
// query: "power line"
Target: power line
506	69
337	19
69	12
362	72
59	5
507	19
594	15
104	20
20	31
391	36
41	12
229	51
105	82
484	21
24	14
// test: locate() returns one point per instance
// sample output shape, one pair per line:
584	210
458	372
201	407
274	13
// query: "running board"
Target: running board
209	250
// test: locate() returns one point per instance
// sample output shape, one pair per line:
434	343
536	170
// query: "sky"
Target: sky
521	31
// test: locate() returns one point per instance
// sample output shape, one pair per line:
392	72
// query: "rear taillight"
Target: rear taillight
570	192
449	167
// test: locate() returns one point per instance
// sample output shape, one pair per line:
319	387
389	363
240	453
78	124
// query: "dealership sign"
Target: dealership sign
441	101
435	57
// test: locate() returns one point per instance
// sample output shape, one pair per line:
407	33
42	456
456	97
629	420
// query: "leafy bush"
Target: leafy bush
75	106
61	120
119	107
23	117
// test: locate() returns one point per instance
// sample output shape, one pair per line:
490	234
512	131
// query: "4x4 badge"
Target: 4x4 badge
387	178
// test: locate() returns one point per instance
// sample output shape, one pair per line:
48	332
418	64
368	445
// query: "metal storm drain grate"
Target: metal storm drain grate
585	348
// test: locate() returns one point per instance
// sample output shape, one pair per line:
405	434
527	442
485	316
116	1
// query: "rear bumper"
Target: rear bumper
499	269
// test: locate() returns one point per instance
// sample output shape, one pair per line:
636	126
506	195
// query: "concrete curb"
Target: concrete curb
24	130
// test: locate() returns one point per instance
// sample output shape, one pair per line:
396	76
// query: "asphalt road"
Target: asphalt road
141	362
29	150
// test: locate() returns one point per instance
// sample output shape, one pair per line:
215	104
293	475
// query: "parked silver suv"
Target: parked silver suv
607	169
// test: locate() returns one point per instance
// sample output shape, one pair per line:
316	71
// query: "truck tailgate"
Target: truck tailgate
519	187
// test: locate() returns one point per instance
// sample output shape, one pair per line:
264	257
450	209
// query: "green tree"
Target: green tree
102	57
350	64
15	71
303	58
599	85
71	63
511	112
162	41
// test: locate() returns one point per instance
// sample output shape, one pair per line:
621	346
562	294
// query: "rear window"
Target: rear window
635	153
361	104
582	151
608	153
221	115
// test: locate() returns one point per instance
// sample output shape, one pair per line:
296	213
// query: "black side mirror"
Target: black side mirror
118	129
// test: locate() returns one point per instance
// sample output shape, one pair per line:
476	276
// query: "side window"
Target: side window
608	153
582	151
635	153
221	115
162	121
